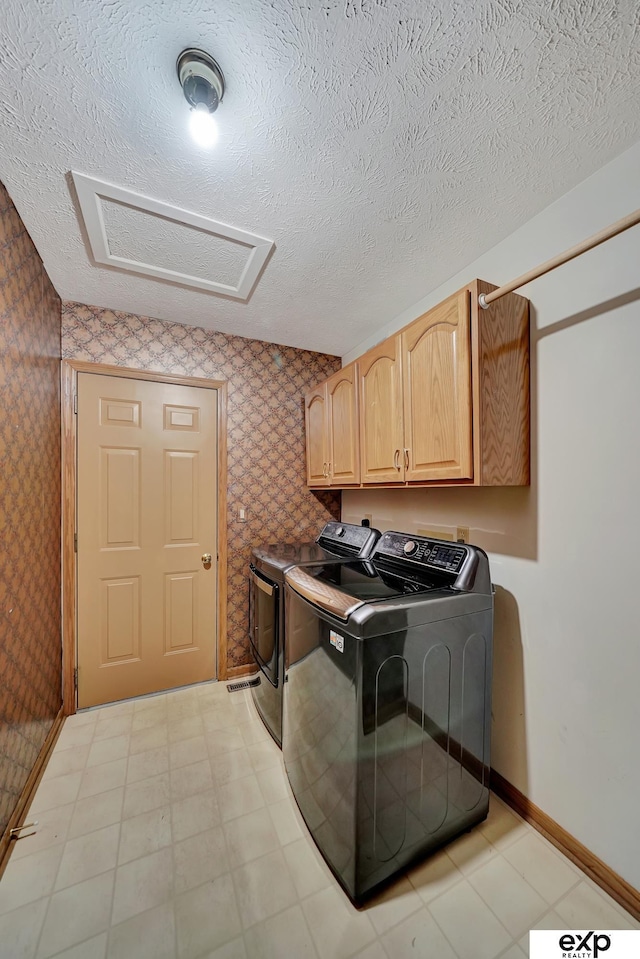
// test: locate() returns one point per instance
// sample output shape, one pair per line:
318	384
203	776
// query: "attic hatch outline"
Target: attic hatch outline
91	191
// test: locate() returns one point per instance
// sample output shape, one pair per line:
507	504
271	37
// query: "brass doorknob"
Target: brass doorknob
206	559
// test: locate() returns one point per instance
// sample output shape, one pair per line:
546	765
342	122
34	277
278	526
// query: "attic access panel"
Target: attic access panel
116	218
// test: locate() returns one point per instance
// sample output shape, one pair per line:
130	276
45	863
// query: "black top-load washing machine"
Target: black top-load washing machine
337	542
388	703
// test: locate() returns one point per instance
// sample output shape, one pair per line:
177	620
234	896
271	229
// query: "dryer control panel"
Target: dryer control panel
347	539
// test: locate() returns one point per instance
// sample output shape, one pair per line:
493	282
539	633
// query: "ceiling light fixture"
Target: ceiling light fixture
202	83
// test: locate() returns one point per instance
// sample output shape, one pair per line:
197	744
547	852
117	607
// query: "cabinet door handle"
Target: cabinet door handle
396	460
324	469
406	459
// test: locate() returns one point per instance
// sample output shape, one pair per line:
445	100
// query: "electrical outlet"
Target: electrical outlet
462	534
242	515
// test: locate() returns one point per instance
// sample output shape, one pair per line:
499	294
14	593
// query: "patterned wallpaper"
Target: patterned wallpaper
30	644
266	464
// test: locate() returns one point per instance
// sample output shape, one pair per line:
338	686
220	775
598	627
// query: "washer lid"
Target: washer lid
342	588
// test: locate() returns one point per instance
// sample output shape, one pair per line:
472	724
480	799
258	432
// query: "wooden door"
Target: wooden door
381	432
342	417
436	358
315	413
146	518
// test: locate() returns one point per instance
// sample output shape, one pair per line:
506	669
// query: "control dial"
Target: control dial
410	547
340	531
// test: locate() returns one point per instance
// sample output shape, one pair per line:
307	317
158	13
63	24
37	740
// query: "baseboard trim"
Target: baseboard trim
27	794
234	672
613	884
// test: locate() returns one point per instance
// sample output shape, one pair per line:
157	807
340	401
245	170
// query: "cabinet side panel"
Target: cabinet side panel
504	389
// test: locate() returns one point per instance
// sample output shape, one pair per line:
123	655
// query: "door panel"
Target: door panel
182	418
147	490
342	400
181	611
381	431
182	496
315	406
119	498
120	620
436	354
119	412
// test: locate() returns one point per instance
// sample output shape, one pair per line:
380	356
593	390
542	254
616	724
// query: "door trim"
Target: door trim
69	383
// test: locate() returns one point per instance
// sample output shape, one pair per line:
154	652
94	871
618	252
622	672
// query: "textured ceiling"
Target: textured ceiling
381	144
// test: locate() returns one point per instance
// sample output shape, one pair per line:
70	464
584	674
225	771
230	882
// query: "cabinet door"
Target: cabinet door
342	415
381	434
315	410
436	359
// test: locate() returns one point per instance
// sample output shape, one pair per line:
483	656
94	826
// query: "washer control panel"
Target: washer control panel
436	554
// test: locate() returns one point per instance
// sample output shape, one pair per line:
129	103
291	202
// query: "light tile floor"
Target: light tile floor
167	831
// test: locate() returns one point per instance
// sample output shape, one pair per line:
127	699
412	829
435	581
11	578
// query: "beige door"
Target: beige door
147	489
436	363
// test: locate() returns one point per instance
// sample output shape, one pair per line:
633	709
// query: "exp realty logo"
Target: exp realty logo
584	944
584	947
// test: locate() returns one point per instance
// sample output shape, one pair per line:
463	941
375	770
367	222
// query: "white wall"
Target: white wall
565	552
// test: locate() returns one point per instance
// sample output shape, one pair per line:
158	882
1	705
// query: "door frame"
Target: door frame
69	392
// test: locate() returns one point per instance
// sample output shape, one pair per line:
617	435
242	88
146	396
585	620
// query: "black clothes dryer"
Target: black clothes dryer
337	542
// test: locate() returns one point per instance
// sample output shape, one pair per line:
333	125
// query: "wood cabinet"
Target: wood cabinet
415	400
381	425
331	414
436	375
315	414
342	427
443	402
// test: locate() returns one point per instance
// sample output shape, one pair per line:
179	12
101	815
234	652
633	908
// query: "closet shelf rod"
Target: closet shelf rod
485	299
